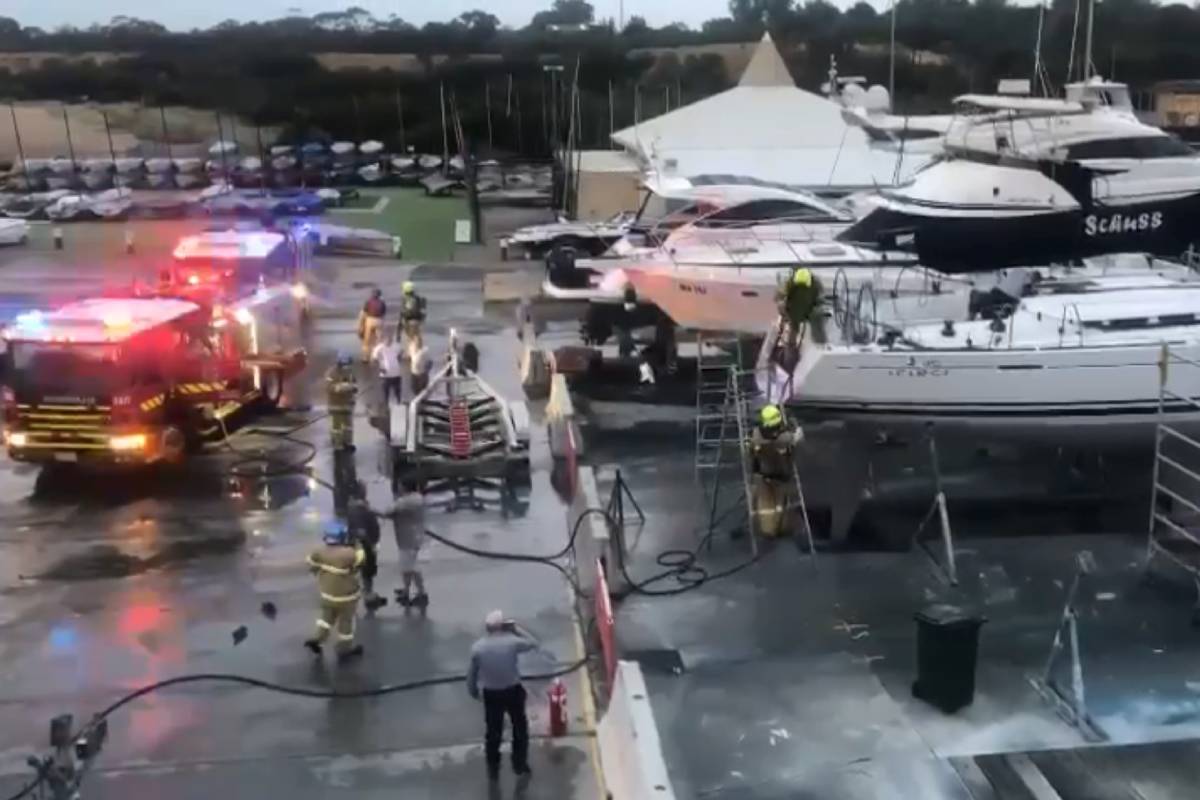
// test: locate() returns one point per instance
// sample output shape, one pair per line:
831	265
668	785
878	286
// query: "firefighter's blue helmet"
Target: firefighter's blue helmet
336	532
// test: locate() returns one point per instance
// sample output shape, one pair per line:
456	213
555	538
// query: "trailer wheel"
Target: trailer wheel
271	389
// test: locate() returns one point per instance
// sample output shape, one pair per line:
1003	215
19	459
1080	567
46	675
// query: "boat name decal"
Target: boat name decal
924	368
1122	223
695	288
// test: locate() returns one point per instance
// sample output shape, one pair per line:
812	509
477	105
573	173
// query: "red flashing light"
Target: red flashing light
193	279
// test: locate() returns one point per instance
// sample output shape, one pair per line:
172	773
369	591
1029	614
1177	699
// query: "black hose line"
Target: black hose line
678	564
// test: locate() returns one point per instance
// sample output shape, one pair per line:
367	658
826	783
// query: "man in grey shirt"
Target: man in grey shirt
495	672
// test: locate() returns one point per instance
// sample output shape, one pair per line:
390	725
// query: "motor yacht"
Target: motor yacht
1028	180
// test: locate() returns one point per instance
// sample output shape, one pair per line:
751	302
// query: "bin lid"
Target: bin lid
944	615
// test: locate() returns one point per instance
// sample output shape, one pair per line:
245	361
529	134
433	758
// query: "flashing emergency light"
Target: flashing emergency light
243	316
193	279
31	321
16	439
299	291
127	442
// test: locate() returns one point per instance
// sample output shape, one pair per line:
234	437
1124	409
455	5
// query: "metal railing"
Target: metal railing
1171	534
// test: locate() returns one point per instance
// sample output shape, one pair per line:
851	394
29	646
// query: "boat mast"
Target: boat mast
1038	80
1087	48
892	63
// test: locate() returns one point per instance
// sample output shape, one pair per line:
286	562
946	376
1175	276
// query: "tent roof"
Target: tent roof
764	128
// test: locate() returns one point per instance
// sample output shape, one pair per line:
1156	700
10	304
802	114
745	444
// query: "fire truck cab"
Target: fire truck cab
143	379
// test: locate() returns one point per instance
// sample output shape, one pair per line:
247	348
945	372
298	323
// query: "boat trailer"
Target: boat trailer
460	435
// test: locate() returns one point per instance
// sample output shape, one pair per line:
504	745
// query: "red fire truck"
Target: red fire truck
144	379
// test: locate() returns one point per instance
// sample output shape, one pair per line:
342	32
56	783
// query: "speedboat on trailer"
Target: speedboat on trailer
1077	360
592	238
1026	180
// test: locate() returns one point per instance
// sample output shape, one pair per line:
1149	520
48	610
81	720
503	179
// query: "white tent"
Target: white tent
765	129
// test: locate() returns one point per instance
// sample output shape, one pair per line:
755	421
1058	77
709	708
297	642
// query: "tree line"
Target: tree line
505	87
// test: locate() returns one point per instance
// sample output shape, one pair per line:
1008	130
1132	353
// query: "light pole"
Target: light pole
20	148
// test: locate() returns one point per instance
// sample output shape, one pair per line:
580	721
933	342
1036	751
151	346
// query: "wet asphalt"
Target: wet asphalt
111	581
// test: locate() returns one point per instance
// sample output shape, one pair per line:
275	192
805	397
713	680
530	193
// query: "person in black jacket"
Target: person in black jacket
364	531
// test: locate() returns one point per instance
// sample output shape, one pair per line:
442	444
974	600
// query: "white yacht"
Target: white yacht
740	297
1077	358
1026	180
731	226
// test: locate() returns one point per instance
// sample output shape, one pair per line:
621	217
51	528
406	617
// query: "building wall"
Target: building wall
1178	109
603	194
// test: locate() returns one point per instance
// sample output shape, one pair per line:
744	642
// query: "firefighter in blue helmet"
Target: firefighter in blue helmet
341	389
337	563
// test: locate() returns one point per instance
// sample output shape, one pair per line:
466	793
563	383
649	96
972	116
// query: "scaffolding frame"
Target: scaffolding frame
1167	537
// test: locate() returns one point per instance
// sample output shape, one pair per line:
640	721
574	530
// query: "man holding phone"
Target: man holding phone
495	675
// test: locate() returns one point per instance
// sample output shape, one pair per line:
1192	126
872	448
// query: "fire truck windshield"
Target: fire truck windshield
47	369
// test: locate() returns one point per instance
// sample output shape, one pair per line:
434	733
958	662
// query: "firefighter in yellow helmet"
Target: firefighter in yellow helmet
772	459
412	311
341	389
337	564
799	303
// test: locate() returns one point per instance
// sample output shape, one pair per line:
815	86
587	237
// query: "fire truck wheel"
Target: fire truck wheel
272	389
174	444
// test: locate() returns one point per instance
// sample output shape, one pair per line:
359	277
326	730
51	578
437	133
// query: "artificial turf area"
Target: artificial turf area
425	224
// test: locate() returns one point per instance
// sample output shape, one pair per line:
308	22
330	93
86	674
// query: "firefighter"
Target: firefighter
370	322
772	453
412	311
799	303
342	395
364	532
336	564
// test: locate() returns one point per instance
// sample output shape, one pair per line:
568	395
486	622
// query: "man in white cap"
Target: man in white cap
496	676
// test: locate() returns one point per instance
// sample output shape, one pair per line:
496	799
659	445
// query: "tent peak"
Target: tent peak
766	67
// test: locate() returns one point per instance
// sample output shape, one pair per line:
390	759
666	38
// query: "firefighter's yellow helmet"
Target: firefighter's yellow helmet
408	287
770	416
802	277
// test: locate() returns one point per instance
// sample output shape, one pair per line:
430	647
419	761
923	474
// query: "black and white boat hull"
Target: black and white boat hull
968	217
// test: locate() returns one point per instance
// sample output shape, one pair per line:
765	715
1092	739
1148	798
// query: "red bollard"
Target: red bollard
558	708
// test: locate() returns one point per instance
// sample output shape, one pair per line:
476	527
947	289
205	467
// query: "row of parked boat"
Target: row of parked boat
282	166
223	199
1021	283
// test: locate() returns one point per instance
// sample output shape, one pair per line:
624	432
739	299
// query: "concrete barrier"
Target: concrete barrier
566	441
593	545
631	755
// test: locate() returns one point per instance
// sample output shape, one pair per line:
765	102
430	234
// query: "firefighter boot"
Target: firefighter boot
402	598
374	602
421	601
314	646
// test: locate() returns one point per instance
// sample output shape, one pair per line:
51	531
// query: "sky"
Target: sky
187	14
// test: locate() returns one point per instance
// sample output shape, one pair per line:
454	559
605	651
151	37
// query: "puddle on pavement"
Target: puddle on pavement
107	561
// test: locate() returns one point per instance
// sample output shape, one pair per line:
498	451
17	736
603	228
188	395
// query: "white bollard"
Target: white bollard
57	234
129	241
397	247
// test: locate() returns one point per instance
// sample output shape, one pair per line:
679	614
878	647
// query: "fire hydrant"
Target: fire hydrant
558	708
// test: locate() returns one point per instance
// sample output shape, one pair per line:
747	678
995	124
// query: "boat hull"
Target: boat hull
1101	395
995	217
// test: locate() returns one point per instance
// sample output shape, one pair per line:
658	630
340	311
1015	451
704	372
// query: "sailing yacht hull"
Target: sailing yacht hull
1103	395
